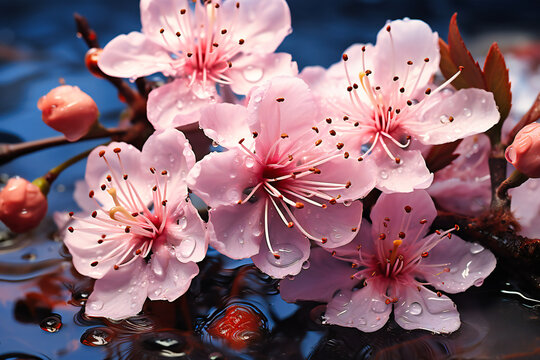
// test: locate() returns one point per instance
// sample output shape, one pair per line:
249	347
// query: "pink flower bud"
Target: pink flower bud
69	110
22	205
524	152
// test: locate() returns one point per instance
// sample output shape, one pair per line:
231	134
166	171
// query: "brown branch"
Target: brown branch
10	152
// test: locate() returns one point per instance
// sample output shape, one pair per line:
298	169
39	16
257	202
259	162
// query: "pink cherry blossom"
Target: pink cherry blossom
384	94
284	178
464	186
201	45
393	262
144	237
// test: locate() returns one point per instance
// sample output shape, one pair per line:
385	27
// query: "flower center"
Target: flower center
202	42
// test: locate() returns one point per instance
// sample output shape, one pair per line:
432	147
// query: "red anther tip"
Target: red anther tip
117	150
324	240
71	229
408	209
161	31
71	213
461	68
91	194
290	224
345	57
102	153
277	256
388	28
241	41
299	205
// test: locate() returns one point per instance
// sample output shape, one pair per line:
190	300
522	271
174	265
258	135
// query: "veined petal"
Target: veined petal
120	294
445	119
175	104
318	282
251	69
188	235
262	24
157	15
133	56
226	124
412	172
423	309
224	178
364	309
169	151
468	263
237	230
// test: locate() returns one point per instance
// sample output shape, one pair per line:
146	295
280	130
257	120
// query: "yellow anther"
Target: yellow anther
112	192
393	256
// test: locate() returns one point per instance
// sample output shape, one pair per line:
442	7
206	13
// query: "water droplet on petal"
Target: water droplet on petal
378	306
476	248
182	222
362	321
253	74
289	254
383	174
96	305
415	308
478	282
306	265
51	323
347	202
187	247
250	162
467	112
444	119
179	104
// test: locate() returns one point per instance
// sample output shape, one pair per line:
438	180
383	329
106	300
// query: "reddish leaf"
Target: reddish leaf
442	155
447	66
497	81
460	55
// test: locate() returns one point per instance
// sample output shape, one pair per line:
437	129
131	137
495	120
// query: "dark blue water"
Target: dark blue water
38	46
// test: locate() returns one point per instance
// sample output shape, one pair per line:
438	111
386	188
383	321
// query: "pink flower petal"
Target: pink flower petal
262	24
364	309
318	282
425	310
222	178
226	124
237	230
188	235
405	212
132	56
445	119
156	15
526	207
362	243
334	223
86	250
470	263
97	171
252	69
408	40
169	278
291	246
407	176
80	194
169	151
120	294
291	106
175	104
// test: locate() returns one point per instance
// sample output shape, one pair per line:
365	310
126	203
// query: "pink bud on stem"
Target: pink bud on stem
22	205
524	152
69	110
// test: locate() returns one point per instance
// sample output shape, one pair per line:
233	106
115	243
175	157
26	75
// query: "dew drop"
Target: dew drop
157	292
96	305
182	222
257	231
362	321
250	162
179	105
97	337
476	248
257	99
288	255
51	323
187	247
306	265
347	202
444	119
383	174
467	112
478	282
233	195
253	74
415	309
378	306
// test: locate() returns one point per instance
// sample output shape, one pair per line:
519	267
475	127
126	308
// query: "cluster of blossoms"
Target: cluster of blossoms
299	153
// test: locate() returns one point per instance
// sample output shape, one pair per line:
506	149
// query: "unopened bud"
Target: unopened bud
524	152
69	110
22	205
